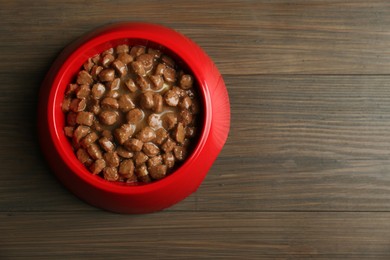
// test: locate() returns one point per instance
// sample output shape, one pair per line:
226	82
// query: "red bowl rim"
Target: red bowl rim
115	32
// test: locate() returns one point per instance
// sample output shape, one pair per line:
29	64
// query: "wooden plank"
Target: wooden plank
296	143
303	143
243	37
337	117
203	235
304	173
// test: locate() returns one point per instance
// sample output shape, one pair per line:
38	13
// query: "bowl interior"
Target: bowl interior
68	74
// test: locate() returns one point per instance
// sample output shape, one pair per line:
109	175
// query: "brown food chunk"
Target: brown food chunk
109	103
180	133
71	118
140	158
150	149
84	78
186	81
157	82
169	121
154	121
180	92
138	68
108	51
158	103
108	134
80	132
179	152
137	50
185	117
169	75
125	103
158	172
126	168
147	134
89	139
106	144
146	60
84	118
88	65
123	133
134	144
169	160
70	89
107	75
78	104
94	107
66	104
96	58
83	156
168	145
97	166
143	83
68	130
171	98
95	71
83	91
94	151
186	103
112	159
107	60
141	170
146	100
161	135
98	90
110	174
130	84
125	58
123	48
160	69
97	126
113	94
108	117
134	116
114	85
190	93
156	160
124	153
142	173
120	67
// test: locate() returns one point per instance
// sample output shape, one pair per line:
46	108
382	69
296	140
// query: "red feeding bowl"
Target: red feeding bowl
116	196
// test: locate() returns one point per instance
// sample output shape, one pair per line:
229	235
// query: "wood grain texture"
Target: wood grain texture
225	235
253	37
304	173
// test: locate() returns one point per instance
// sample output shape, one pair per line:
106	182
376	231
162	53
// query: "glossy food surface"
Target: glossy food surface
132	114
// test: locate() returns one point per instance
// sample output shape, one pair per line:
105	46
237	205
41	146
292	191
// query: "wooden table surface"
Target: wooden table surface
305	172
